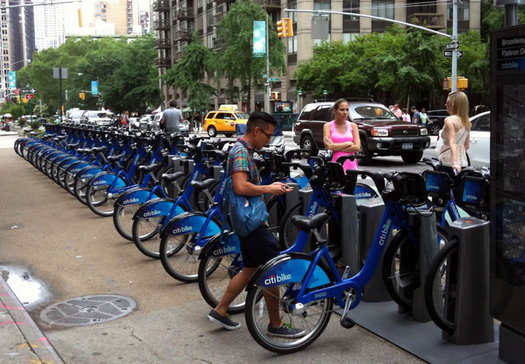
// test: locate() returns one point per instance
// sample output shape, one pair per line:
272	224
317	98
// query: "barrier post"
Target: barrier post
473	323
428	249
370	214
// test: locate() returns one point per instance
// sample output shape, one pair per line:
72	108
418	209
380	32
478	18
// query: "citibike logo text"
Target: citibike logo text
224	250
384	232
283	277
151	213
180	229
130	201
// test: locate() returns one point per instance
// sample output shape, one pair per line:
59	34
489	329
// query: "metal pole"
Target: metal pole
60	90
511	14
268	88
455	50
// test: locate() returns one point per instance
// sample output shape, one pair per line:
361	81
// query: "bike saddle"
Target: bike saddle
202	185
310	223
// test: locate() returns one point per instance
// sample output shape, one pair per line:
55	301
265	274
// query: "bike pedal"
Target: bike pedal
347	322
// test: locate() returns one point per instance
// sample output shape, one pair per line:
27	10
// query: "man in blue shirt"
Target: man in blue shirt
171	118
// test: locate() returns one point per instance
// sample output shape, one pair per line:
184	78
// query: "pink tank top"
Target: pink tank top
337	137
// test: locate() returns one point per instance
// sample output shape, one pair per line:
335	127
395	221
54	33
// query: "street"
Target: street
58	249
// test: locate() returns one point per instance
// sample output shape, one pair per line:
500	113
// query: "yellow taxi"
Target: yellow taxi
224	120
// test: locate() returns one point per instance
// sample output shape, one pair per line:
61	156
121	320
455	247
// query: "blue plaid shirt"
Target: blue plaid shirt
240	159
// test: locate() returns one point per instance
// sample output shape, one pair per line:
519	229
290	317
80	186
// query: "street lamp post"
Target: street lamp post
25	61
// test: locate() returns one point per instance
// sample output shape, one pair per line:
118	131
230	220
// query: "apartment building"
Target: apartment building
17	38
175	21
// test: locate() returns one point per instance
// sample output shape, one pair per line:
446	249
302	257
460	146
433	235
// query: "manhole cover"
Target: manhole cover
88	310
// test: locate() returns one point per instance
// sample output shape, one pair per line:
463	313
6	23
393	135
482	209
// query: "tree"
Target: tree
189	73
235	60
125	72
397	66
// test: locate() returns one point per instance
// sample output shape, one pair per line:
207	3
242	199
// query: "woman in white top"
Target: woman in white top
455	133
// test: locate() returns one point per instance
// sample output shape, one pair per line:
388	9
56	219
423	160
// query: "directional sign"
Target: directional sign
452	45
448	54
28	91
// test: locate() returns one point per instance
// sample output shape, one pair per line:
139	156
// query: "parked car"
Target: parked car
380	131
224	120
75	116
479	150
436	119
96	117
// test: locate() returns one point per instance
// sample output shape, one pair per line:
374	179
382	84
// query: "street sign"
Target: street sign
452	45
299	92
28	91
30	96
448	54
274	79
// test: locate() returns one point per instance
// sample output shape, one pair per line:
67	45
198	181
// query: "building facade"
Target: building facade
175	22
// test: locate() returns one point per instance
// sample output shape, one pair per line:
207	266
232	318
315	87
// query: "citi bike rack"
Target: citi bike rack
370	213
425	223
473	323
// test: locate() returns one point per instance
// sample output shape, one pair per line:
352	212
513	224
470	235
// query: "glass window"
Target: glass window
383	8
292	44
463	10
348	37
351	6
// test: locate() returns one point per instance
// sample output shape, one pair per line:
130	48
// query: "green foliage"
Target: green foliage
125	70
235	60
35	124
397	66
188	75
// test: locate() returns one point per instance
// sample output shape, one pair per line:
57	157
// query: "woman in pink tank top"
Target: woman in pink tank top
342	136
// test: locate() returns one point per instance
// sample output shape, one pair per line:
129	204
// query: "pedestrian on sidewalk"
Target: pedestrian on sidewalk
260	245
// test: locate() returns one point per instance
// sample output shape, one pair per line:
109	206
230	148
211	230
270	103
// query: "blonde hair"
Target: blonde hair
458	105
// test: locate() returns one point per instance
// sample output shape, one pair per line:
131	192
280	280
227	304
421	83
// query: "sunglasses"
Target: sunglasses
265	133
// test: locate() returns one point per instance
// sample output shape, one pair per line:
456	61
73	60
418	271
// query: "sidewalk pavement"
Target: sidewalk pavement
2	133
22	341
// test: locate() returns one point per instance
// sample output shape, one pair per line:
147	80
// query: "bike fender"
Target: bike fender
135	196
106	179
229	245
78	167
286	269
191	222
158	207
88	173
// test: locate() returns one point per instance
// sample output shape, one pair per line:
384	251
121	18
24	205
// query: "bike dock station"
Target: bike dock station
473	337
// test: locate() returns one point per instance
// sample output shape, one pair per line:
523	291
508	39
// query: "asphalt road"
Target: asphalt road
61	250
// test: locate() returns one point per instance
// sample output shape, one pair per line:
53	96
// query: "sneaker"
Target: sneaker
224	321
286	331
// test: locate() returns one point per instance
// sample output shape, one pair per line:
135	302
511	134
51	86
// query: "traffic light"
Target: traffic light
281	28
82	96
289	27
285	28
461	83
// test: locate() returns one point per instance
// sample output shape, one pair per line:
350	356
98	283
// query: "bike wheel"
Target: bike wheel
178	256
145	235
276	210
401	267
80	188
215	274
441	286
98	201
123	219
313	319
287	231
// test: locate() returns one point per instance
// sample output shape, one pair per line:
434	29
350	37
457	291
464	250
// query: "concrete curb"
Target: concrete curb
22	340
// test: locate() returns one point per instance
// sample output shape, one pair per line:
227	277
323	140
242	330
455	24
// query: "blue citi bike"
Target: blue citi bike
309	284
